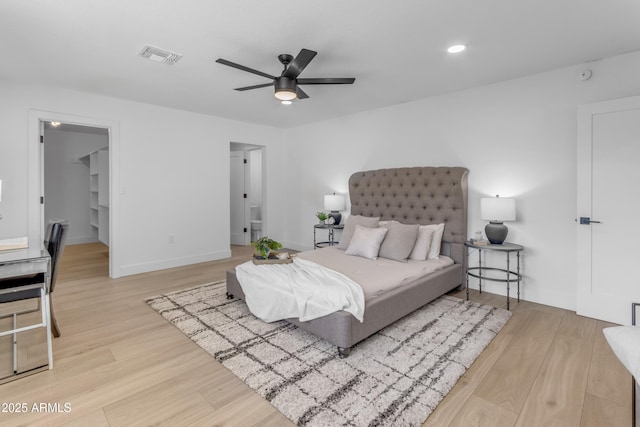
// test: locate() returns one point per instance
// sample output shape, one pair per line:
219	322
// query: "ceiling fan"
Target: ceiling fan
287	84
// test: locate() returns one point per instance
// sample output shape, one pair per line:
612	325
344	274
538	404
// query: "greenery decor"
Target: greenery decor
322	216
265	245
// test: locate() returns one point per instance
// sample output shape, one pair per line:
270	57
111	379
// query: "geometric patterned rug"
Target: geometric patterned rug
396	377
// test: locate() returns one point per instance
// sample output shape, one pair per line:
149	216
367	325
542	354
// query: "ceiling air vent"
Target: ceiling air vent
159	55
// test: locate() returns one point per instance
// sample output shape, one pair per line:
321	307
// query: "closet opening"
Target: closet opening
76	181
63	184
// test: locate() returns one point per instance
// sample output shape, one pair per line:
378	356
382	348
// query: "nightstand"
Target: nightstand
485	273
331	228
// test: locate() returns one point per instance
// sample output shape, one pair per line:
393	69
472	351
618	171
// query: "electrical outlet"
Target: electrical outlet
172	238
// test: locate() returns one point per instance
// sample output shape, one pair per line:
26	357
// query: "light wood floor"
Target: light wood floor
118	363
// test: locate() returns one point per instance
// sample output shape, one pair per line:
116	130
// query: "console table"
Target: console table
481	272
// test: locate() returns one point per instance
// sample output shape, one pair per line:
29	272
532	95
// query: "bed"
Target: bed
417	195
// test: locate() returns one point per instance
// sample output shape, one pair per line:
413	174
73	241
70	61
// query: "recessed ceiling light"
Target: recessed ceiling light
55	124
456	48
286	102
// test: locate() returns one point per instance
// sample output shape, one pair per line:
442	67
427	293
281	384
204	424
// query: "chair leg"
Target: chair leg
54	324
15	344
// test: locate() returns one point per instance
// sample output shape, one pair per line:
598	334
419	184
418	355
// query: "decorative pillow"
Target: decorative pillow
423	242
366	241
399	241
350	227
436	242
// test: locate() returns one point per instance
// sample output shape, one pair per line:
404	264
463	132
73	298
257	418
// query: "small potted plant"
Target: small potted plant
265	245
322	216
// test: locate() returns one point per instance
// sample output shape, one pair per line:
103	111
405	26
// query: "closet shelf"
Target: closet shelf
98	163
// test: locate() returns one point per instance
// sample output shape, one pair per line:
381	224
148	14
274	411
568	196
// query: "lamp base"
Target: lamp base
337	217
496	232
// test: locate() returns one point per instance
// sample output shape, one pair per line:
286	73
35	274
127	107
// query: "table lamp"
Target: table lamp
496	210
334	203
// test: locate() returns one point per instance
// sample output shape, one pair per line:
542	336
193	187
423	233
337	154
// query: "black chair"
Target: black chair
56	236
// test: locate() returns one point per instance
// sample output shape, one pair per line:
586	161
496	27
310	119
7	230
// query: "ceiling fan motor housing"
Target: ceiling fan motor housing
284	86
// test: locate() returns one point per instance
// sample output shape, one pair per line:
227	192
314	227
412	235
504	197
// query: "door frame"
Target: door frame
36	226
585	303
246	147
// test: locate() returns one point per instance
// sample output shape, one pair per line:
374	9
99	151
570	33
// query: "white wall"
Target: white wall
517	138
66	180
173	169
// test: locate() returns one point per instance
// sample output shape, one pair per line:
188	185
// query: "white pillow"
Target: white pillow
428	242
436	242
366	242
350	226
625	343
423	242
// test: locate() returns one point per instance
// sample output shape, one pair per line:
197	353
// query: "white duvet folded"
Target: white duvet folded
303	289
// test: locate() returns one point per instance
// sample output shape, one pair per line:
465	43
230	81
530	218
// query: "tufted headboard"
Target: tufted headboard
418	195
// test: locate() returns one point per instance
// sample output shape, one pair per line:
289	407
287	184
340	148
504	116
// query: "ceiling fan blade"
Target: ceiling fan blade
243	68
302	60
300	93
254	86
327	81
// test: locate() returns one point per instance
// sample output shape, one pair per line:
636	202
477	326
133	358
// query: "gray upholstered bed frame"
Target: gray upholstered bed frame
419	195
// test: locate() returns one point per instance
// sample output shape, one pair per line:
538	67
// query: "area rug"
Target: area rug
396	377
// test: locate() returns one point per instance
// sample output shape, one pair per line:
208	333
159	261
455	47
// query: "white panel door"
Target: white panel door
608	278
239	215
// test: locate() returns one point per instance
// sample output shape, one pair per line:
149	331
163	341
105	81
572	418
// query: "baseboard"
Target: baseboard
128	270
297	246
531	294
81	240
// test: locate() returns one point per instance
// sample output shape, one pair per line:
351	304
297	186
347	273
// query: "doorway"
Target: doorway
76	180
37	178
247	193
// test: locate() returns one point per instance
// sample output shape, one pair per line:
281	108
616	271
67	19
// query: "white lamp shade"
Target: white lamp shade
334	202
498	209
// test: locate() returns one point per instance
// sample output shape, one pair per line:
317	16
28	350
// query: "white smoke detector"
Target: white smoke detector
159	55
584	75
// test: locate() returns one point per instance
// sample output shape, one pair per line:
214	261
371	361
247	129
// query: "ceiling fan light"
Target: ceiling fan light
285	94
285	88
286	102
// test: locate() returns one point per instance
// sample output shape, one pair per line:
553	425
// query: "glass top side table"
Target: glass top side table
330	238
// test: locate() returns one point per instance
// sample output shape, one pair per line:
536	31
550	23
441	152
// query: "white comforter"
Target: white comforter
303	289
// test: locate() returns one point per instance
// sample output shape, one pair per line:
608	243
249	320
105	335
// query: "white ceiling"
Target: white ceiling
395	49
